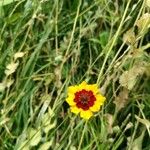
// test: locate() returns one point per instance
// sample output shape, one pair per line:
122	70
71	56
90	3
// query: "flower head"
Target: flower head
84	99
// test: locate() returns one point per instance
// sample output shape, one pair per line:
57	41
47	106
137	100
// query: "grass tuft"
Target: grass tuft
45	46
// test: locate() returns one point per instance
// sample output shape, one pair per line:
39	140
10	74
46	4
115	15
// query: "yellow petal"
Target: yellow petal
99	101
82	86
83	83
70	99
95	107
72	89
75	109
93	88
100	98
86	114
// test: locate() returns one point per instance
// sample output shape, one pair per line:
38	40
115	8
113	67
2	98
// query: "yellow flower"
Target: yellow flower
84	99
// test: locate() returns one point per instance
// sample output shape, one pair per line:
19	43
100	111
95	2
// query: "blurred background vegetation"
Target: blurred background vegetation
47	45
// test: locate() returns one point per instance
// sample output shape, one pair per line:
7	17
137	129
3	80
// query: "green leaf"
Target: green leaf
1	11
24	146
13	18
6	2
34	136
137	143
143	121
104	36
46	145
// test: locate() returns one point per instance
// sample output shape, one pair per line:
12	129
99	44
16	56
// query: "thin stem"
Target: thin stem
85	125
113	43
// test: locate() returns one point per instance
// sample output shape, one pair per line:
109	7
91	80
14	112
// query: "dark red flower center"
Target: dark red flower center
84	99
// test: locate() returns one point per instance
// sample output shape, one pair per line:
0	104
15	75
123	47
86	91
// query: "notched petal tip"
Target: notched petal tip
70	101
100	98
95	108
86	114
72	89
75	110
84	83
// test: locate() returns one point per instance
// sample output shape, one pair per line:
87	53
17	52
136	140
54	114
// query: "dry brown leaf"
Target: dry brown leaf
137	53
147	3
122	99
144	22
11	68
129	37
129	78
18	55
109	119
57	72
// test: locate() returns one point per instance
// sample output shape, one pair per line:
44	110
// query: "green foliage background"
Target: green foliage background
62	43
